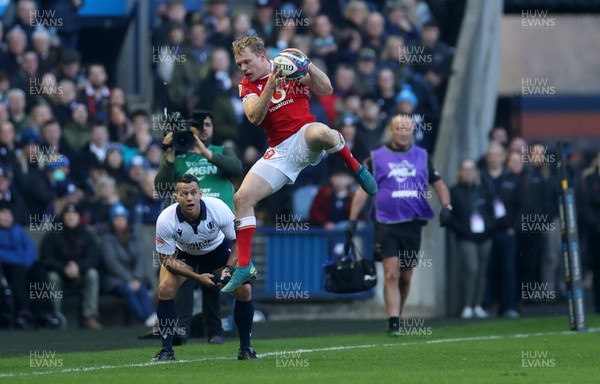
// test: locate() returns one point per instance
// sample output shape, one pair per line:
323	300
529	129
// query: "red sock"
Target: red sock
244	243
348	158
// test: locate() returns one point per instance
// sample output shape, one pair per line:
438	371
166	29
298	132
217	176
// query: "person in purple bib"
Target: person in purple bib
403	171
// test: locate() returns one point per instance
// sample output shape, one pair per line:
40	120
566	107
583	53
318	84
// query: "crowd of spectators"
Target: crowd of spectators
69	136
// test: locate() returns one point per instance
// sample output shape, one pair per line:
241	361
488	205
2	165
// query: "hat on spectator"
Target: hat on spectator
347	118
367	54
263	3
139	160
406	94
30	137
59	162
118	210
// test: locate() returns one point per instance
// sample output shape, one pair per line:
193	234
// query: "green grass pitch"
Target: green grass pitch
533	350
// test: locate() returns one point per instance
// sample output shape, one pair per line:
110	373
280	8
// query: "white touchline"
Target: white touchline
340	348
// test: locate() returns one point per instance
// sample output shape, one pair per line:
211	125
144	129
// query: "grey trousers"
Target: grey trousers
88	285
474	259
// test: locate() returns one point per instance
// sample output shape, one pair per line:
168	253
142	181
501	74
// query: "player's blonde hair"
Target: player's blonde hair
254	43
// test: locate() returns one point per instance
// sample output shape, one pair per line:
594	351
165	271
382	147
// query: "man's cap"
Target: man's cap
60	161
118	210
367	54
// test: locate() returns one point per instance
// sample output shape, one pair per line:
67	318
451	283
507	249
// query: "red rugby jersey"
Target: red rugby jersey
288	110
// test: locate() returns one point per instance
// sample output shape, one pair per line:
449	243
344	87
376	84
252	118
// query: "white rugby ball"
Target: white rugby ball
293	66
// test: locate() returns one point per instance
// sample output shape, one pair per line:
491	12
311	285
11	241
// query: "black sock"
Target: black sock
394	322
167	319
243	314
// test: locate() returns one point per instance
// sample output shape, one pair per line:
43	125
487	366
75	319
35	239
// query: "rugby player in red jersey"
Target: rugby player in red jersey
281	107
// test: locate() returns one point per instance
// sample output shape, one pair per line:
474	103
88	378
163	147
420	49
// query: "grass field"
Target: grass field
534	350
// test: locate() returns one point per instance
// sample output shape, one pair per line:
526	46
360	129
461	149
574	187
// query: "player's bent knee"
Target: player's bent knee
165	292
243	293
243	199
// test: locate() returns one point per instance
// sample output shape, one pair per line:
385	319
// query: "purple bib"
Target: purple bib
402	178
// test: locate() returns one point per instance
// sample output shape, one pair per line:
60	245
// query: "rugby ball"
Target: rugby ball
293	63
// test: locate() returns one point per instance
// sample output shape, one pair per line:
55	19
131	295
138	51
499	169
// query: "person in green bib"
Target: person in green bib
214	166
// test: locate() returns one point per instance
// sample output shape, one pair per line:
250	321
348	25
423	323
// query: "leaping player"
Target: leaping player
295	139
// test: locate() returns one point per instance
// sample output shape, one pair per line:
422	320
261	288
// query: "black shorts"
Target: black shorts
207	263
402	240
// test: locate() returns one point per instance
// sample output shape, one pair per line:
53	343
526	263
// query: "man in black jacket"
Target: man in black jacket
71	257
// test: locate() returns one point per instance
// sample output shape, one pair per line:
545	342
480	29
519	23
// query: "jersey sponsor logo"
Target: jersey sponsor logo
401	171
203	170
269	153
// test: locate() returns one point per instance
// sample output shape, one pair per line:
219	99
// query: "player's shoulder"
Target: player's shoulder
167	214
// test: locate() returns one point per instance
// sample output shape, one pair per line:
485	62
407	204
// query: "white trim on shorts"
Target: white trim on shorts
287	160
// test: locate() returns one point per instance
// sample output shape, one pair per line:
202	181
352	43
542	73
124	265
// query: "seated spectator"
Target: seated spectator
60	184
119	127
39	114
67	101
11	194
16	41
19	265
53	141
8	147
374	32
115	165
398	22
370	128
72	258
385	92
472	221
324	45
16	110
147	205
96	93
331	205
77	131
118	98
131	188
123	266
28	70
347	125
217	81
105	196
95	151
42	44
367	70
141	140
70	68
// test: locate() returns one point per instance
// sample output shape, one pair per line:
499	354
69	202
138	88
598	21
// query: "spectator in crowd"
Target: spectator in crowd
385	92
399	23
437	70
590	212
241	25
25	18
473	222
69	67
216	165
355	15
324	45
263	20
344	80
60	183
176	13
66	11
402	171
123	266
16	109
147	205
132	187
177	85
115	165
96	93
8	145
347	125
32	180
77	131
119	127
198	45
42	45
72	258
141	140
217	81
26	77
16	40
67	101
97	209
370	128
502	271
118	98
18	264
497	134
216	19
53	141
12	195
231	119
331	205
95	151
366	71
374	32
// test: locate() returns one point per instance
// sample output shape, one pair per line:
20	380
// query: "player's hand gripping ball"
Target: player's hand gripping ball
293	63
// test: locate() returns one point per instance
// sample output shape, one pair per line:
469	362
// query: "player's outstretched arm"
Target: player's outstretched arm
255	107
317	81
178	267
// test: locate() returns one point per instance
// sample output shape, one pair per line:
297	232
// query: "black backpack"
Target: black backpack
348	274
